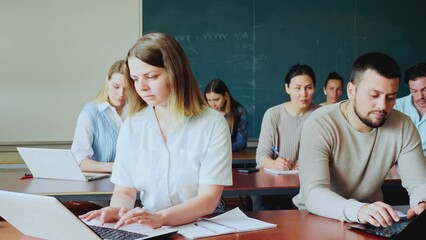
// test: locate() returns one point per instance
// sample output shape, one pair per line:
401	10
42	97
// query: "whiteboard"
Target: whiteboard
54	57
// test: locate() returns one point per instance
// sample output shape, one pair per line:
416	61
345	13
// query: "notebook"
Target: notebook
232	221
278	172
55	164
404	229
47	218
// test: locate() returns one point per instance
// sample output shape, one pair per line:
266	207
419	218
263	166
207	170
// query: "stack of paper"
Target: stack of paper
233	221
277	172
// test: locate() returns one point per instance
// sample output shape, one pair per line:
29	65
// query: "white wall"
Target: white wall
54	57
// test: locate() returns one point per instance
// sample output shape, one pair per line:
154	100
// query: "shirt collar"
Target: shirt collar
104	105
151	113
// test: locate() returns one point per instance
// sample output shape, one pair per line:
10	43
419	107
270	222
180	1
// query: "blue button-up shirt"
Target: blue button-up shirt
405	105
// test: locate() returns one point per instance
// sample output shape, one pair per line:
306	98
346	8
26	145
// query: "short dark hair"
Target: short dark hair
300	69
416	71
382	63
333	75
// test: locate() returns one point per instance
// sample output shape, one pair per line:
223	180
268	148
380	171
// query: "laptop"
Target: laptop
404	229
55	164
47	218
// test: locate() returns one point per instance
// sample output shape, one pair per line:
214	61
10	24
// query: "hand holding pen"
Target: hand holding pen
281	163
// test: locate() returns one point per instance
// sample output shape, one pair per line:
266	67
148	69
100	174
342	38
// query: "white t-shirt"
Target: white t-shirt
198	152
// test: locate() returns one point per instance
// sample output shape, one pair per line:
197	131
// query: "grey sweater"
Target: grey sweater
281	130
341	169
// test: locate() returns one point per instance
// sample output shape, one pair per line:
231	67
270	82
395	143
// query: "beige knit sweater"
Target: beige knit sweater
281	130
340	169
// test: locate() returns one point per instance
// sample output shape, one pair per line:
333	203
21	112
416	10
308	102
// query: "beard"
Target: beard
421	103
369	122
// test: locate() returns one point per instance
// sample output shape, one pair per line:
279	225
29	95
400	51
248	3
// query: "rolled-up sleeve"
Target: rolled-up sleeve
83	138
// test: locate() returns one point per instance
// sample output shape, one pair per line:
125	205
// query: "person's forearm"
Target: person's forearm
191	210
123	199
89	165
267	162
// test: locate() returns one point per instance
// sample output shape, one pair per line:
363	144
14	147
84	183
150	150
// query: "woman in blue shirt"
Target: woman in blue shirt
219	97
97	127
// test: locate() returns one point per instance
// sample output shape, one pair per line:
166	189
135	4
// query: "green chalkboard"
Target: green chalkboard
251	44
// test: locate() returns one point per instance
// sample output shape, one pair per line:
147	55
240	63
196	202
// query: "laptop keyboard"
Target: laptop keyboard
390	231
116	234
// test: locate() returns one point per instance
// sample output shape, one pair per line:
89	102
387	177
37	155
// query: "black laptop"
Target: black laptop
404	229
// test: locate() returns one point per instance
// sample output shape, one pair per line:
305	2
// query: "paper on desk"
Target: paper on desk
233	221
277	172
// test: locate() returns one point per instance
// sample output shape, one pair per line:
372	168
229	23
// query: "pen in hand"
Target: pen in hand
276	152
290	164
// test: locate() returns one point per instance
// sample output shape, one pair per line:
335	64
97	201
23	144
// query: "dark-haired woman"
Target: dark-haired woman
333	88
219	97
281	129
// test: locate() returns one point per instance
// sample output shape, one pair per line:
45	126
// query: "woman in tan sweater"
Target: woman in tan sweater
281	128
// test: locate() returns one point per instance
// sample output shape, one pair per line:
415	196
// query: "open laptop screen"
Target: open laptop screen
47	218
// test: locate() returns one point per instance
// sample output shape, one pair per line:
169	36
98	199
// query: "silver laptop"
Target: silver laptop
55	164
47	218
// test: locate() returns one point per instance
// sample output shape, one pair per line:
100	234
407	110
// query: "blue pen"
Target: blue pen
279	155
276	152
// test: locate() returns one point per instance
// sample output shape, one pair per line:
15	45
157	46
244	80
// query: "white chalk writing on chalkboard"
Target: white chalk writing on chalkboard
212	36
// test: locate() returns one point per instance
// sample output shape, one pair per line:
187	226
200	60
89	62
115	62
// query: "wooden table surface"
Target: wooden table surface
65	190
292	224
262	183
247	154
257	183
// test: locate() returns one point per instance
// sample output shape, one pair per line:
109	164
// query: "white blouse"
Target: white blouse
167	174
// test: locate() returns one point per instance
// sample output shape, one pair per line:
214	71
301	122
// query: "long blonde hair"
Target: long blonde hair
162	50
120	67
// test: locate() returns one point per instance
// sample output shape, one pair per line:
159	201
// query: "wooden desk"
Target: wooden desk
98	190
292	224
257	183
262	183
248	156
